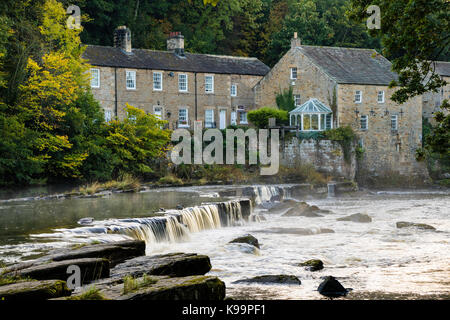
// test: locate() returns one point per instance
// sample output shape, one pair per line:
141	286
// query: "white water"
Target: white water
368	257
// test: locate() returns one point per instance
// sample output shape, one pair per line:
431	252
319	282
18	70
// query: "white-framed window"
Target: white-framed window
233	90
358	96
243	117
297	100
364	122
209	118
158	112
233	118
329	121
294	73
108	115
394	122
95	78
183	117
380	97
157	81
131	80
209	84
182	82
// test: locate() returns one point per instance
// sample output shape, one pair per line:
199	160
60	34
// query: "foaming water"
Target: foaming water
368	257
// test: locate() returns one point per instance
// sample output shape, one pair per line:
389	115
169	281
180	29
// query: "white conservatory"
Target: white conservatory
313	115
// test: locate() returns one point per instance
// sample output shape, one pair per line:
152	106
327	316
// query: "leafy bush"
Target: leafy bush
285	100
260	118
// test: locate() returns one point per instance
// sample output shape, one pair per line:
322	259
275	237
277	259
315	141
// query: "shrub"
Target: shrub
260	118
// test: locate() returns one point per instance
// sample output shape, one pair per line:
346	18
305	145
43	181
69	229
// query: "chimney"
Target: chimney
295	41
122	38
175	43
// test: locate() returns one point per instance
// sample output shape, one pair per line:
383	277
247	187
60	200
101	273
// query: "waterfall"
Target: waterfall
171	226
267	193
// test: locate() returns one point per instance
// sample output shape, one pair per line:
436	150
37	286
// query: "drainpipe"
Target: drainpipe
195	77
115	92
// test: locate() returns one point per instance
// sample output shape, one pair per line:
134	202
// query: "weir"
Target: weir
171	226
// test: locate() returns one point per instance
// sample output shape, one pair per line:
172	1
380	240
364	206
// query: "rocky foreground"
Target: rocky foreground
117	271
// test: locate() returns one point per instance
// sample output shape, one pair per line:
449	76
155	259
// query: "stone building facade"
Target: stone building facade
432	101
177	86
353	83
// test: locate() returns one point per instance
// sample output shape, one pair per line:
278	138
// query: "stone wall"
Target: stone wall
170	99
326	156
431	101
386	150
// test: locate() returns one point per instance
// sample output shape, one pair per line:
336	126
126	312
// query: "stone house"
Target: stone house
175	85
353	84
431	101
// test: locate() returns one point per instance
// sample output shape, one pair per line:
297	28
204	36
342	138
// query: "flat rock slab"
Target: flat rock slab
34	290
175	264
115	252
91	269
423	226
272	279
165	288
357	217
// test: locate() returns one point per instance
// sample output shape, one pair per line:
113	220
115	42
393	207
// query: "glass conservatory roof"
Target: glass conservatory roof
311	106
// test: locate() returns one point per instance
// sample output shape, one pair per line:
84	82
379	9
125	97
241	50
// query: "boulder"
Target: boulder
175	264
357	217
91	269
161	288
115	252
272	279
332	288
302	209
312	265
248	238
404	224
34	290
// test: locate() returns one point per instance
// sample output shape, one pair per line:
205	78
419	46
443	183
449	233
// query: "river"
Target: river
375	259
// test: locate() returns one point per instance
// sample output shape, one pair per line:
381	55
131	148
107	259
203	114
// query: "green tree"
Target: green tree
285	100
260	118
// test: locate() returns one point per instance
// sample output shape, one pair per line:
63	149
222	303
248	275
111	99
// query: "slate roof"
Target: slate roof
312	106
442	68
164	60
351	66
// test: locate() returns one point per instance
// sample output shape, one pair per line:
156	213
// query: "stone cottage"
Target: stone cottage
353	85
175	85
431	101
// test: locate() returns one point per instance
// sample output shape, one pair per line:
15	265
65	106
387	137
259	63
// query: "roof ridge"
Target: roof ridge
333	47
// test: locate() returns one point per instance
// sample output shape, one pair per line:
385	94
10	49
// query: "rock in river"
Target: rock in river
34	290
248	238
91	269
115	252
174	264
272	279
302	209
312	265
357	217
332	288
404	224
